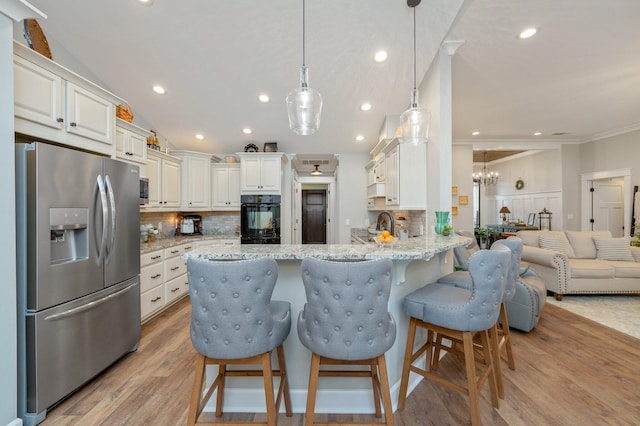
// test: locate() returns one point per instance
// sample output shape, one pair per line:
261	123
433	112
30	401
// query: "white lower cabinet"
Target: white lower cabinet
163	279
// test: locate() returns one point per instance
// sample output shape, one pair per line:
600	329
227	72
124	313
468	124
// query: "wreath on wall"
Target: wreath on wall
519	184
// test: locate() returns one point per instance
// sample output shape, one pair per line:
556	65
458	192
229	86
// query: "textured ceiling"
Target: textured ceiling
579	76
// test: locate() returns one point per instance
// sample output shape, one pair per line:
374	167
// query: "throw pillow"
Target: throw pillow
613	249
557	242
582	242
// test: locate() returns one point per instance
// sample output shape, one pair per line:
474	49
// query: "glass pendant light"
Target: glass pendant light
304	104
415	121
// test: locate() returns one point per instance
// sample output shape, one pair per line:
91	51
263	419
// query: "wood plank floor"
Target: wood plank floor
569	371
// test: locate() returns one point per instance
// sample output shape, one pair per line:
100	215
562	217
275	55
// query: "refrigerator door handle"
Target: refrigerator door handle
105	214
112	202
89	305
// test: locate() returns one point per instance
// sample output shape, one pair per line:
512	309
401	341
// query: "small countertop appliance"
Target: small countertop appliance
190	225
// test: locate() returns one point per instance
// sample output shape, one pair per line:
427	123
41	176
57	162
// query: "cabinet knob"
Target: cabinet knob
60	120
72	124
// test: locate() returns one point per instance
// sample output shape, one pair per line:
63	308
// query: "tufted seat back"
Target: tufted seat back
346	316
457	308
463	253
515	245
232	314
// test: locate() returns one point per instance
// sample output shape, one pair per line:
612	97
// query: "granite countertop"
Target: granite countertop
163	243
424	247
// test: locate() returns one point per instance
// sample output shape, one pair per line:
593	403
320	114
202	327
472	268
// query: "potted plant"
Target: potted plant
482	234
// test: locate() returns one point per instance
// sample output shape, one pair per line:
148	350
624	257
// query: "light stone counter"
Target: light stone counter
164	243
417	261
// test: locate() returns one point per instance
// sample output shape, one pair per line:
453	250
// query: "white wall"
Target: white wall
352	195
617	152
541	172
461	177
8	356
571	208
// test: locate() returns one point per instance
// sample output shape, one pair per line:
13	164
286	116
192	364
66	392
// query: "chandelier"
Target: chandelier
485	177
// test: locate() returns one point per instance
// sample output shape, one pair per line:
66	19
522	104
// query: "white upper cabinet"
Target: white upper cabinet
37	94
405	176
131	142
225	186
196	180
53	103
261	173
163	172
89	115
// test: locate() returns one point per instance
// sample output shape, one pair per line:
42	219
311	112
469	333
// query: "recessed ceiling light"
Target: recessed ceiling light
145	2
199	136
159	90
247	131
263	98
359	138
537	133
365	106
475	133
528	33
380	56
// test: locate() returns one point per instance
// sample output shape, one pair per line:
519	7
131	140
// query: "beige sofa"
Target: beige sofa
573	262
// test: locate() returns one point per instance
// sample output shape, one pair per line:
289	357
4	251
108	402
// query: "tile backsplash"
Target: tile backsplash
213	223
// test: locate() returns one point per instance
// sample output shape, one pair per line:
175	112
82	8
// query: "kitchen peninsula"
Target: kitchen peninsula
417	261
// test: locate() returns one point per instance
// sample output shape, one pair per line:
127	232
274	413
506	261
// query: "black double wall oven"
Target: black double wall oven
260	219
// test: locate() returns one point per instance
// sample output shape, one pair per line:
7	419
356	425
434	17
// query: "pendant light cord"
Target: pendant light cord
414	47
303	33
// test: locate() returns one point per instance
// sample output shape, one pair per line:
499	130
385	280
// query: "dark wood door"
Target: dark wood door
314	216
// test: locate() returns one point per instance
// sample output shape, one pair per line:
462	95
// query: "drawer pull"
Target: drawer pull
173	290
175	251
155	299
175	268
188	248
153	277
155	257
73	124
60	120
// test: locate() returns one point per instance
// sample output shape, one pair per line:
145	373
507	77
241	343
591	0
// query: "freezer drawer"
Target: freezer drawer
68	345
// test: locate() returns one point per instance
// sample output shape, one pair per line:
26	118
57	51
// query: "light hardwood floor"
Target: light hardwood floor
569	371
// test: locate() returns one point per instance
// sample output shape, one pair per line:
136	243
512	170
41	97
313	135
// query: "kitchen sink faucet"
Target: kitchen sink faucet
390	222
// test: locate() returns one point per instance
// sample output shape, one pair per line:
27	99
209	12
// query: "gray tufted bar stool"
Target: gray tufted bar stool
459	314
346	321
463	279
234	321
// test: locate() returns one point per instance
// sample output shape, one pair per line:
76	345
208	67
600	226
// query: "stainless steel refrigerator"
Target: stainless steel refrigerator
78	250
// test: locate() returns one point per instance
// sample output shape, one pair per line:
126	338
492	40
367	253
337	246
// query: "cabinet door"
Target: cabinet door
270	174
391	177
170	184
138	148
197	184
154	174
251	174
234	187
122	143
220	190
89	115
37	94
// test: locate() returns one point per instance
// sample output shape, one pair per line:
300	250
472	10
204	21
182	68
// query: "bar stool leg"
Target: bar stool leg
408	355
472	383
196	393
222	375
314	372
506	337
284	383
268	389
375	380
488	343
386	393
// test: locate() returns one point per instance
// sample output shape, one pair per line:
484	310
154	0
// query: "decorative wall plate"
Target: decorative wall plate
519	184
251	147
